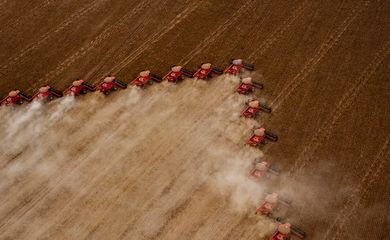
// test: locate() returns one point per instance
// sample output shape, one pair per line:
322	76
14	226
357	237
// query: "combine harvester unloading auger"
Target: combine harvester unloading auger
177	73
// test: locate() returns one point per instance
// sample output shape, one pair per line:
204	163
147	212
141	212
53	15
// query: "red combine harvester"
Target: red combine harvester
144	78
47	93
79	87
237	66
253	108
285	230
110	83
247	85
178	73
15	97
259	136
262	169
271	204
206	70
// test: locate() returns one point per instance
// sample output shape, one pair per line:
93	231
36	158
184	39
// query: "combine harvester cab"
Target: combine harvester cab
253	108
247	85
47	93
237	66
285	230
15	97
79	87
206	70
111	83
144	78
178	73
259	137
262	169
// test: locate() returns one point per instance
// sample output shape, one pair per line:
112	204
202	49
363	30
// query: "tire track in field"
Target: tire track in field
155	37
280	31
73	18
93	43
324	132
369	178
217	33
31	13
312	63
95	70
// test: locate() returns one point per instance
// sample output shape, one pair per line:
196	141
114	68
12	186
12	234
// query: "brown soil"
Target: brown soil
168	162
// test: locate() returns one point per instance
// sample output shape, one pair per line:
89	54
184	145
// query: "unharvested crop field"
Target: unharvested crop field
169	161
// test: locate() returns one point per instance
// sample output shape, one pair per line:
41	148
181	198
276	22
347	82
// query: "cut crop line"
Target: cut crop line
74	17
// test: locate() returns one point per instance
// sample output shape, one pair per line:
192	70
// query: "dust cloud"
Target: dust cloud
172	138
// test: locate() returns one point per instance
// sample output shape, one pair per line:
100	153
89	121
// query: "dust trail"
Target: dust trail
129	161
60	127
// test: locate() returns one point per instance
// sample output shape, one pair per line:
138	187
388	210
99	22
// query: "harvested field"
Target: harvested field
169	161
